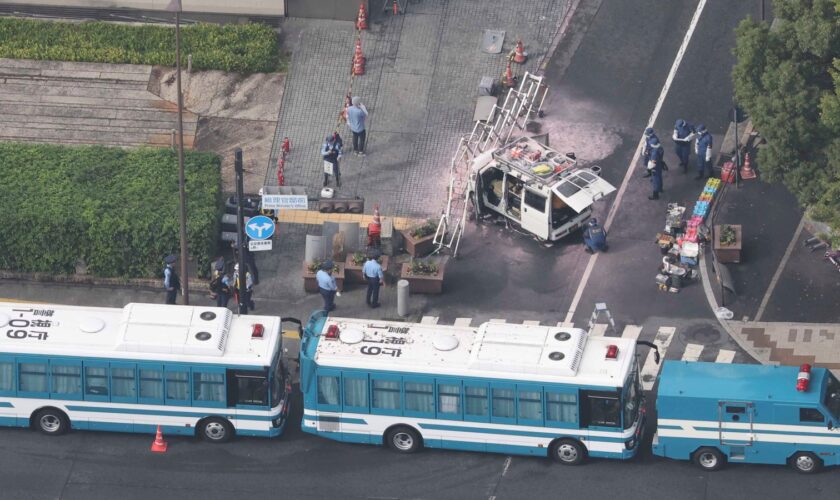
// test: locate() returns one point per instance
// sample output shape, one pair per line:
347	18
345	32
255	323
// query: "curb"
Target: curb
137	283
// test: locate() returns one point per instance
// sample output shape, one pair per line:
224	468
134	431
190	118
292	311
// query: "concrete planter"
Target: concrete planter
310	284
418	247
353	273
423	283
728	254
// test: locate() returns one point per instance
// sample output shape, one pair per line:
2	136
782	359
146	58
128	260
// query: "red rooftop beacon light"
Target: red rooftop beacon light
612	351
257	331
803	378
332	332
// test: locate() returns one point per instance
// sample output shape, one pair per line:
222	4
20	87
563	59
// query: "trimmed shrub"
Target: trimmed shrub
241	48
115	209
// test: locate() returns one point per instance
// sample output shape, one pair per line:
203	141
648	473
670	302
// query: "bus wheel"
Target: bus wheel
216	430
708	459
567	452
806	462
403	439
51	421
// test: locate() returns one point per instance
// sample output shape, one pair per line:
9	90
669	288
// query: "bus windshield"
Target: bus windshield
831	399
632	399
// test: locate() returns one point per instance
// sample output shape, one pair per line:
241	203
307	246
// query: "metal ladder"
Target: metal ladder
518	109
601	308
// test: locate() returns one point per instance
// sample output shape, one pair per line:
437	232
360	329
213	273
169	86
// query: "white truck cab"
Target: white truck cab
539	189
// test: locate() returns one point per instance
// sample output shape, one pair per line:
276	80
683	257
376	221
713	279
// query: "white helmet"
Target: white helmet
236	268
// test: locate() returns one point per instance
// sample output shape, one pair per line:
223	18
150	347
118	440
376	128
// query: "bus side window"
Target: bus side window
7	376
328	390
602	409
251	388
811	415
449	400
561	407
356	393
476	404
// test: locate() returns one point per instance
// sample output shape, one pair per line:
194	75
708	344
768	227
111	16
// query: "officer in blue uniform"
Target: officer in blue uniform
594	237
683	135
703	148
171	282
655	166
649	135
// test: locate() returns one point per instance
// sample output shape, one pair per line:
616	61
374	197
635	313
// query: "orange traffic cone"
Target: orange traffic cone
281	164
507	79
358	59
361	20
396	10
287	146
519	55
159	446
747	171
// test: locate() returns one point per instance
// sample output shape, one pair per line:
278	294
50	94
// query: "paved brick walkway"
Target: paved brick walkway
422	75
792	343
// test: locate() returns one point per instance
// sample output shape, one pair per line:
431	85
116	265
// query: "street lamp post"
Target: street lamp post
175	6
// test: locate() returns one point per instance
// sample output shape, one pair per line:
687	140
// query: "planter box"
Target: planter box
353	273
728	253
310	284
418	247
421	283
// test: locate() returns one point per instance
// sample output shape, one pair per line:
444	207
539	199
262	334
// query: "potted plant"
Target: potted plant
419	240
727	243
355	262
310	284
424	275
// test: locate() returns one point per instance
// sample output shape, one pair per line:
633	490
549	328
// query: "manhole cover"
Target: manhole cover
703	334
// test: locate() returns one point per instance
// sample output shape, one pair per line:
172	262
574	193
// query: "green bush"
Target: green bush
115	209
241	48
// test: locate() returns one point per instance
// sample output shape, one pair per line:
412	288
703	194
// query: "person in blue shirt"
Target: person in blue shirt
594	237
356	116
683	135
703	148
331	152
249	286
171	282
326	285
375	278
649	135
655	166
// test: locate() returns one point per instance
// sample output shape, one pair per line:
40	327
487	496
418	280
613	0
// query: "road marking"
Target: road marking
650	369
429	320
19	301
627	176
631	332
598	330
779	270
531	322
725	356
692	352
497	320
565	324
463	322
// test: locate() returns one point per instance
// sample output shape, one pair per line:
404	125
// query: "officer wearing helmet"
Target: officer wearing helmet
703	148
594	237
683	135
656	164
649	135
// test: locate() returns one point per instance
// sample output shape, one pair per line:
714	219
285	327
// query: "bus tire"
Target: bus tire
806	462
567	451
403	439
215	430
51	421
708	458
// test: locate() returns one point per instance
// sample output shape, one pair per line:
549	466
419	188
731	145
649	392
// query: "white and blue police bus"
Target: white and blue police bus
192	370
519	389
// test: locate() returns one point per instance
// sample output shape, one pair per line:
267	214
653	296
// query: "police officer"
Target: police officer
249	286
171	282
649	135
375	278
327	286
655	166
331	152
703	148
683	135
594	237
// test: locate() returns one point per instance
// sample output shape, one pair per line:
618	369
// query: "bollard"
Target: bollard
189	63
402	298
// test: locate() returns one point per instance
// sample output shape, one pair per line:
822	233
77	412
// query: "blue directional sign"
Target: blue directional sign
259	228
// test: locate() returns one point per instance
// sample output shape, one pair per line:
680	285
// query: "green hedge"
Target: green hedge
241	48
116	209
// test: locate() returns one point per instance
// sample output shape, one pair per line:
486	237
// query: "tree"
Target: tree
788	78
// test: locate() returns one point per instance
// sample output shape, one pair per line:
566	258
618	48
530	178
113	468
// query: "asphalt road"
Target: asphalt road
603	92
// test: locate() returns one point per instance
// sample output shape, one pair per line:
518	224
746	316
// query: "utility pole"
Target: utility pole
240	230
175	6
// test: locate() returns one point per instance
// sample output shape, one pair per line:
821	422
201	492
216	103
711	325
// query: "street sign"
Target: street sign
259	245
285	202
259	228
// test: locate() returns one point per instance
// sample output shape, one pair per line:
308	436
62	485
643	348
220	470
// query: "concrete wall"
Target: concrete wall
236	7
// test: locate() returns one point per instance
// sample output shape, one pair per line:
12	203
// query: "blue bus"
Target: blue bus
192	370
712	414
517	389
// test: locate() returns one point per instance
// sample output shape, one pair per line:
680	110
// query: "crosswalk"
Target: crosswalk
649	367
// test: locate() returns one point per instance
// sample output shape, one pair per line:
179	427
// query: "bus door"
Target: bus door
600	411
736	417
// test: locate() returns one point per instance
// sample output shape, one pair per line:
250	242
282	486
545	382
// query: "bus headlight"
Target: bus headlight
277	421
630	443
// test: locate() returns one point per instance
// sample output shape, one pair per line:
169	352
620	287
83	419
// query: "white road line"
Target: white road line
779	270
599	329
531	322
565	324
497	320
464	322
632	167
429	320
631	332
692	352
650	369
725	356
